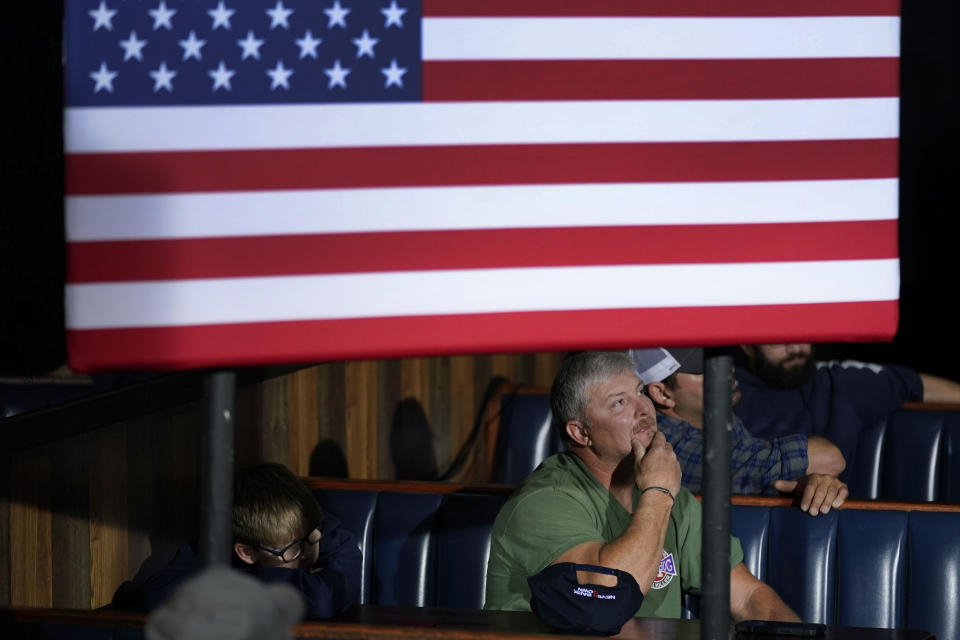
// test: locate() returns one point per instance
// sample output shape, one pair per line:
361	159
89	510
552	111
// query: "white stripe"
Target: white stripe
119	129
652	38
231	300
502	207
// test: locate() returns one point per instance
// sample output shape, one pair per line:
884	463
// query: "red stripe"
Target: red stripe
194	171
317	341
660	79
477	249
686	8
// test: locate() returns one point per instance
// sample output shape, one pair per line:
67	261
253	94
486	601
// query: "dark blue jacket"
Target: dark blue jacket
326	592
840	401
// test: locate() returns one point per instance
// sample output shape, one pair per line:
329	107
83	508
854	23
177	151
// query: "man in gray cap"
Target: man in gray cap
794	463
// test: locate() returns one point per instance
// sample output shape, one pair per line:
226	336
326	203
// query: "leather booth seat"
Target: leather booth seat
889	567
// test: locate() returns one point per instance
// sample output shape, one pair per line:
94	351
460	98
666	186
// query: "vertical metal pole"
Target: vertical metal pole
717	421
216	477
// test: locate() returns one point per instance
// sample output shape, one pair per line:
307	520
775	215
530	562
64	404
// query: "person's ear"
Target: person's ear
578	432
661	395
245	552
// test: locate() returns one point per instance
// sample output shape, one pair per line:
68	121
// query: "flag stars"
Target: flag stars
365	44
308	45
102	17
161	16
251	46
103	78
191	46
221	76
279	16
132	47
221	16
393	75
337	74
279	76
337	15
393	14
162	78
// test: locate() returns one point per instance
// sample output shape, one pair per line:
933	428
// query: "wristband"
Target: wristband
661	490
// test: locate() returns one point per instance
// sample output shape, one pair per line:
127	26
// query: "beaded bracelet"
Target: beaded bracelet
661	490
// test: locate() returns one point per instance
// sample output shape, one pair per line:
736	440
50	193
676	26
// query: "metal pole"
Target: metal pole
717	421
216	477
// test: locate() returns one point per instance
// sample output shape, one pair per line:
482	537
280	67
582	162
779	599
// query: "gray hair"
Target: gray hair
579	372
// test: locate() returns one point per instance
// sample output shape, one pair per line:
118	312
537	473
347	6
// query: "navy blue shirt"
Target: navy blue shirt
841	400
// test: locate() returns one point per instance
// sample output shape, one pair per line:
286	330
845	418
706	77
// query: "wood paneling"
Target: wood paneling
87	512
70	525
108	513
364	449
31	571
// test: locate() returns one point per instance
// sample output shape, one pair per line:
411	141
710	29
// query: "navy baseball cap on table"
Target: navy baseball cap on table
565	605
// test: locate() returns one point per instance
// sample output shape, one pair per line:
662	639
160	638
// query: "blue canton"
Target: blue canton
209	52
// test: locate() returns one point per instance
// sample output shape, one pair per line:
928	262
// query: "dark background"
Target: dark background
31	222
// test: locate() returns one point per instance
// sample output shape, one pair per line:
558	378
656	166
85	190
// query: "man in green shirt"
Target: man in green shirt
613	499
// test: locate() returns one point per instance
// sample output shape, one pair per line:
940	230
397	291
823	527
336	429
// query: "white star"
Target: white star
394	14
365	44
337	15
279	75
162	77
133	48
191	46
221	76
251	46
104	78
337	74
102	17
161	16
308	45
221	16
278	16
393	74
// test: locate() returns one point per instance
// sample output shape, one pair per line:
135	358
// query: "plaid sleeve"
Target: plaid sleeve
687	443
754	465
757	463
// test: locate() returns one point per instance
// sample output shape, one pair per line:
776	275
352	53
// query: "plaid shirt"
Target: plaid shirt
755	464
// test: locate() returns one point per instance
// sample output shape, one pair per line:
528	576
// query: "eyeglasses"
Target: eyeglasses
295	549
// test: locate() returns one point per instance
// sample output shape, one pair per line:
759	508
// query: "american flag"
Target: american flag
306	180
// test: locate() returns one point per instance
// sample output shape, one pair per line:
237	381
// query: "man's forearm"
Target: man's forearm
639	548
751	599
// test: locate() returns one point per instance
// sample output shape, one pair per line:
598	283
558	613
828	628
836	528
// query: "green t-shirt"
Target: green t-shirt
561	505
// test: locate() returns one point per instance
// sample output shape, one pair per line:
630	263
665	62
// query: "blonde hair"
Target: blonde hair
272	507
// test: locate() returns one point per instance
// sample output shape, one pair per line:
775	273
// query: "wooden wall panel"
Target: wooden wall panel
31	572
108	513
304	417
364	449
70	524
4	529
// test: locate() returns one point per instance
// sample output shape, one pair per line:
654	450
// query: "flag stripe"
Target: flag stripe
109	130
599	38
478	165
475	249
701	8
660	79
320	340
268	213
363	295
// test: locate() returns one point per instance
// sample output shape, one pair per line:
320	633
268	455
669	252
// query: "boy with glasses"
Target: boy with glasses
280	535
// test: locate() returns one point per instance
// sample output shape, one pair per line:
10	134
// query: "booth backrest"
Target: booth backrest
913	455
871	564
